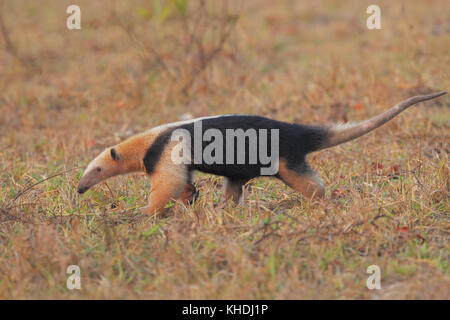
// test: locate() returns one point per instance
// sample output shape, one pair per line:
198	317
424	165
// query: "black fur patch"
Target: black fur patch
154	152
295	141
114	154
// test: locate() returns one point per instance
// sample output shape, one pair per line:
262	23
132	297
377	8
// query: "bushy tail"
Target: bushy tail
342	133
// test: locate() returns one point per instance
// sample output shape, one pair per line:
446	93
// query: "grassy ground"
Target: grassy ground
65	95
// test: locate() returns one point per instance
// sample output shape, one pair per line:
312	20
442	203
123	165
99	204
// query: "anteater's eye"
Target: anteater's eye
99	169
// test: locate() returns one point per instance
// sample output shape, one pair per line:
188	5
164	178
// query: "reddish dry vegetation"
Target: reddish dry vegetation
65	95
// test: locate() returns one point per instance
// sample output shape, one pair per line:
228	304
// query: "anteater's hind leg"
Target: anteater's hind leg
302	179
233	189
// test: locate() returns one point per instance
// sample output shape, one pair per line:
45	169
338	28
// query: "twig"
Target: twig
23	191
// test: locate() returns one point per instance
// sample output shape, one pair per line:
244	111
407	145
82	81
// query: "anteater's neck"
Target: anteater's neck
132	152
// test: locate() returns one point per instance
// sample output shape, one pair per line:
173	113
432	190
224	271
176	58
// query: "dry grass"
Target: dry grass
65	95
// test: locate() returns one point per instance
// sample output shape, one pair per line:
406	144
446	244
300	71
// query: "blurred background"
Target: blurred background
67	94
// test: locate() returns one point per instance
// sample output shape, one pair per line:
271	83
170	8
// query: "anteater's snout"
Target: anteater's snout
81	189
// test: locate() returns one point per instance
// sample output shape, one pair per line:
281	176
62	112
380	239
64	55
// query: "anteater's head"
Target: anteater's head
122	158
108	164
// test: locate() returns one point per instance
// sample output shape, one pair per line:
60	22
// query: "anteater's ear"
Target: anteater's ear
114	154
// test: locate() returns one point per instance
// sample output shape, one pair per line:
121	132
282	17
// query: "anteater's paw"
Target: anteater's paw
189	195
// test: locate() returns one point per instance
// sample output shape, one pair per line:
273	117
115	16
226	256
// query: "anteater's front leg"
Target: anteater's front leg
189	194
166	186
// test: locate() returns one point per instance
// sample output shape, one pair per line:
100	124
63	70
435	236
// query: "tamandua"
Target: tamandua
153	152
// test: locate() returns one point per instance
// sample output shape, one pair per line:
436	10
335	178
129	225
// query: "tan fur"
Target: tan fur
168	182
131	152
162	192
307	184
